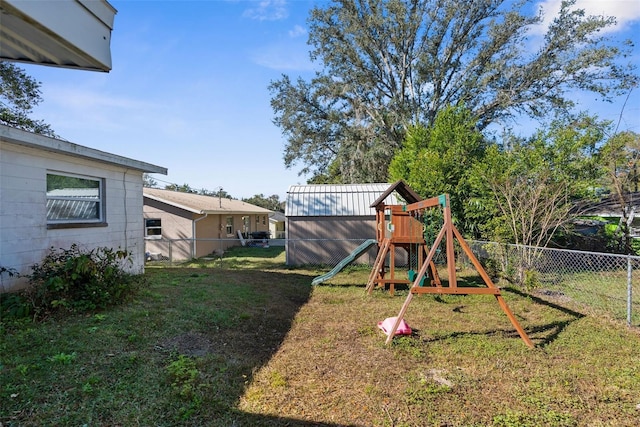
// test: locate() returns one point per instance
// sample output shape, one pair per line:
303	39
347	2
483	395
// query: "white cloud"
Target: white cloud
268	10
297	31
625	11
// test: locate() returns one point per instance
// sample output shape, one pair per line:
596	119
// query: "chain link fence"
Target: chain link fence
600	282
172	251
606	284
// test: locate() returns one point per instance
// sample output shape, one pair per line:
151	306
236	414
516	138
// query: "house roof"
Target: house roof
335	200
45	143
277	217
609	205
200	204
63	33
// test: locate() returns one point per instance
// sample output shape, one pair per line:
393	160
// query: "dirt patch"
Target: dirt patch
190	344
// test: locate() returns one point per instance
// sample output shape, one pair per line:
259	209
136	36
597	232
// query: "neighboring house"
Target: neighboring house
336	217
609	208
54	193
185	225
277	226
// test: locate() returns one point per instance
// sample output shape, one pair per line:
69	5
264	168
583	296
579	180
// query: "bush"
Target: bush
14	306
77	280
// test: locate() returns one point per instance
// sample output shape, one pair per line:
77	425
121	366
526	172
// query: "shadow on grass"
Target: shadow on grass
235	320
551	330
542	335
218	329
247	419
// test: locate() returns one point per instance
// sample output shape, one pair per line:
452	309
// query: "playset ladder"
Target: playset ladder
378	265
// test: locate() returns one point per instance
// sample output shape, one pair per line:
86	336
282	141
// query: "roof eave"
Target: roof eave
234	212
32	140
70	33
174	204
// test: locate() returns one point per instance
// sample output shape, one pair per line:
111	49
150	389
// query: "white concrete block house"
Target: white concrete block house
55	193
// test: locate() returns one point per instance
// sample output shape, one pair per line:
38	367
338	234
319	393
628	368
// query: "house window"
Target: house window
264	219
73	199
229	225
153	228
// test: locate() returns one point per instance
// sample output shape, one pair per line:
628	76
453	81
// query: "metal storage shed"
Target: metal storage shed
325	222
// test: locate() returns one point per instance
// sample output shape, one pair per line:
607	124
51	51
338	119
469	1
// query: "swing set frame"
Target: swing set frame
403	229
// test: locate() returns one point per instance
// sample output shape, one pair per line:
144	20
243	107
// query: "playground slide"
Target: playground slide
242	241
357	252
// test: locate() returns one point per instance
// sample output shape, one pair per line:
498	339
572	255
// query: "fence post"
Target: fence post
629	290
170	253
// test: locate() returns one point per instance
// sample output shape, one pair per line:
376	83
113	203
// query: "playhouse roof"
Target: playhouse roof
335	200
402	189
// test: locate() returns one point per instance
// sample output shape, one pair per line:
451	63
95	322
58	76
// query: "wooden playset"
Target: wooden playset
404	226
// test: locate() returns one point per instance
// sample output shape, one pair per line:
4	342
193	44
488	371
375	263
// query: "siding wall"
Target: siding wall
176	224
338	237
325	227
24	237
336	230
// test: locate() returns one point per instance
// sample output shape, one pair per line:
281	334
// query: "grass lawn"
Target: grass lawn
245	341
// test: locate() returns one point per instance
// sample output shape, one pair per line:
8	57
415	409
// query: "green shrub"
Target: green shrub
531	280
14	306
77	280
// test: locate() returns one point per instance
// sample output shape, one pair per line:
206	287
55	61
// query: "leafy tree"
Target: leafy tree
184	188
272	202
537	185
218	192
620	157
388	65
19	93
438	159
148	181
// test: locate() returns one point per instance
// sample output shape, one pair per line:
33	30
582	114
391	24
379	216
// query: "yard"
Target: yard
246	341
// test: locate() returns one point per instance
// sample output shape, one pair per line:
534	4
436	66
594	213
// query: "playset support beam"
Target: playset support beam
449	231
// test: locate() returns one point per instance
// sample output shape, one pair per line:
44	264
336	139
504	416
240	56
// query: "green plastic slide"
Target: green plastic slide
357	252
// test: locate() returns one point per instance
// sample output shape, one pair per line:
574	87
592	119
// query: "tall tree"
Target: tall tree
534	187
184	188
19	93
391	64
438	159
272	202
149	181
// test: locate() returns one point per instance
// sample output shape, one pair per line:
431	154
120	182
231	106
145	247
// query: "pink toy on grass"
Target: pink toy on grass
387	325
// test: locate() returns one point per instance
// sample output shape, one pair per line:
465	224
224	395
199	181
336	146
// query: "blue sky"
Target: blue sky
188	89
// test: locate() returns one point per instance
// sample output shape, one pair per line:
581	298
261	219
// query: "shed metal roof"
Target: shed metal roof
335	200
